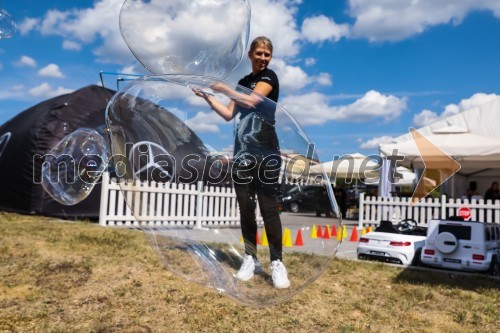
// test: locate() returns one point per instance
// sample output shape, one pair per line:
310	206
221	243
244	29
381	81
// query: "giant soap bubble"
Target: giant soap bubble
205	37
75	164
7	25
177	175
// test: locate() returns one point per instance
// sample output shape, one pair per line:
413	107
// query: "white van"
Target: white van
463	245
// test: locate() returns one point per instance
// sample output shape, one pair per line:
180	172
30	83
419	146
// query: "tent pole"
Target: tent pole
102	81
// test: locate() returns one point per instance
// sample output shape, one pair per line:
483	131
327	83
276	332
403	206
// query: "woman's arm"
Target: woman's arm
226	112
262	89
243	100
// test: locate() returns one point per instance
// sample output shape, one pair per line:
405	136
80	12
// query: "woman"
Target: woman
257	158
492	193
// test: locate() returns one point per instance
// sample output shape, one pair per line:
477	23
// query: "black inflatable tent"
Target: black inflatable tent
35	131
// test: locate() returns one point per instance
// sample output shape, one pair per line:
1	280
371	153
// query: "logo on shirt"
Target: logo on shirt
266	78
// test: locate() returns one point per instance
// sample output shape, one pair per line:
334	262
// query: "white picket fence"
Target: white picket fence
168	204
374	209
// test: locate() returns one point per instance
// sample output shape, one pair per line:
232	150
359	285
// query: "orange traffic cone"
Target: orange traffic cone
354	235
327	234
298	239
320	232
334	231
257	240
370	229
264	241
314	233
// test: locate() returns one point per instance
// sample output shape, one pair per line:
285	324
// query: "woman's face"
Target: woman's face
260	57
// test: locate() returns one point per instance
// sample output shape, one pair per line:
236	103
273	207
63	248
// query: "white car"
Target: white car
401	244
462	245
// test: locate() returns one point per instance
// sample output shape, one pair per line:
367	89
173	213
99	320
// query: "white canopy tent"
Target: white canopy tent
351	166
472	138
473	152
406	177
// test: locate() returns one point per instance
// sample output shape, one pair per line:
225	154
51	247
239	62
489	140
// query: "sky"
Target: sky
354	73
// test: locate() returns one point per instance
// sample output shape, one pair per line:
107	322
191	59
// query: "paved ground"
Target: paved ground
305	222
347	248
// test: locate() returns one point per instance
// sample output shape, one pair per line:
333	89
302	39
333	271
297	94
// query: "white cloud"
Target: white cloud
25	61
375	105
45	90
375	142
398	19
314	108
14	93
71	45
292	78
51	70
427	117
309	61
320	28
475	100
99	26
276	20
27	25
206	122
87	25
424	118
323	79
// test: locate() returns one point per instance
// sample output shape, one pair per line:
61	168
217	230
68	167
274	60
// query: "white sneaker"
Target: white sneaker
249	266
279	275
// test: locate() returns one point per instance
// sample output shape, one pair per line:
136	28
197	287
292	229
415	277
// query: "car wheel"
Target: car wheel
446	242
494	267
294	207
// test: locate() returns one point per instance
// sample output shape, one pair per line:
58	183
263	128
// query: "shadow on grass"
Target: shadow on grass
447	278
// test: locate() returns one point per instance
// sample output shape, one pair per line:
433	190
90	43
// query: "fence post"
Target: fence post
443	207
199	206
361	208
103	207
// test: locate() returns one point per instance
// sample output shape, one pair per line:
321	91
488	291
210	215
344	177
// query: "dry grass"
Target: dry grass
78	277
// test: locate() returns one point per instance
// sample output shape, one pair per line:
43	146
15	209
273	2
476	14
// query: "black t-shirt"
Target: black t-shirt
255	133
268	76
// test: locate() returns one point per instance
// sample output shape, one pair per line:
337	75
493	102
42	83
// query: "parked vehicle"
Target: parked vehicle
463	245
306	198
399	244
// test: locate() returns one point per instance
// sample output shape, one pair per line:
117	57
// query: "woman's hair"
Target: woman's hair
261	40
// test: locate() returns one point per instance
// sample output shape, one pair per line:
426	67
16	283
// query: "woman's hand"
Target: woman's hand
201	93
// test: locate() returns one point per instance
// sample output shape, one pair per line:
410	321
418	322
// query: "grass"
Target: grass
60	276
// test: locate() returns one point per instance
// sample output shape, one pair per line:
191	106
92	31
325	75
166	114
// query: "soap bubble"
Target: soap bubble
178	175
204	37
7	25
72	168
